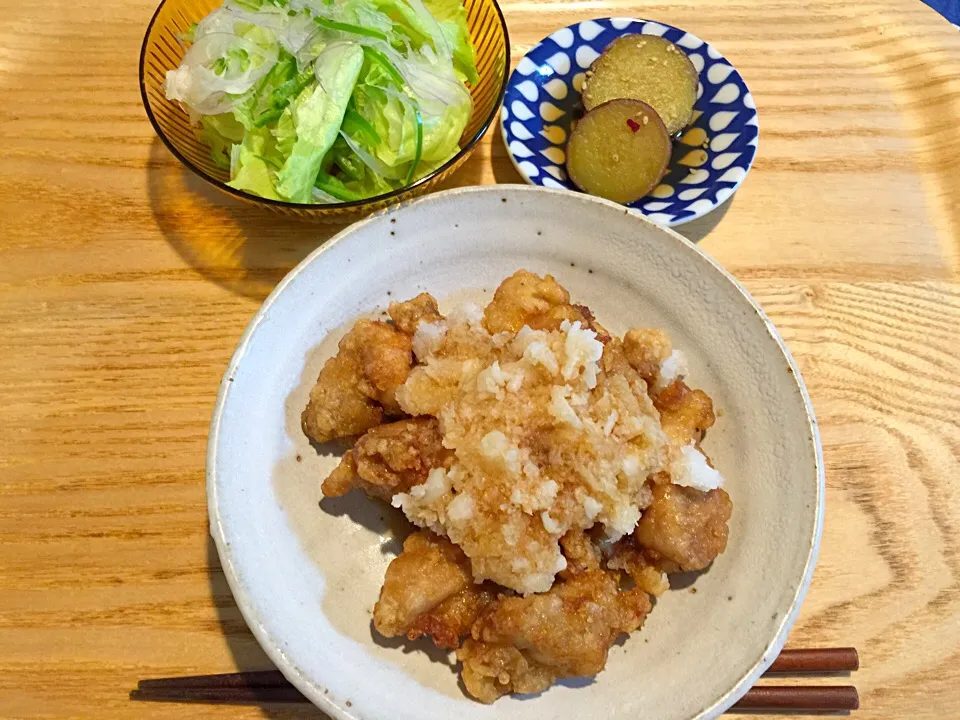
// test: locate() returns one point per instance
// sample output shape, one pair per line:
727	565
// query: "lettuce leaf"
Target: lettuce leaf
220	132
392	115
285	133
452	17
252	173
318	113
251	111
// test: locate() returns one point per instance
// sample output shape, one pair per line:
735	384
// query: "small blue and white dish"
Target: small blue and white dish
543	100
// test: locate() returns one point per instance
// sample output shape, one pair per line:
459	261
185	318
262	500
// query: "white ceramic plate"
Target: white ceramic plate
306	576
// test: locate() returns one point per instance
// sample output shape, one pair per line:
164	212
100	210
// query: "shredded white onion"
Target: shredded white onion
197	85
369	160
323	198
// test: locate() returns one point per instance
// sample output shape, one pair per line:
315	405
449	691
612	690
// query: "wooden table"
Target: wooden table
125	284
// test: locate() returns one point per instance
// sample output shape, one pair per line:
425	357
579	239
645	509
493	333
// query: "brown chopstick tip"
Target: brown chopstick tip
218	695
249	679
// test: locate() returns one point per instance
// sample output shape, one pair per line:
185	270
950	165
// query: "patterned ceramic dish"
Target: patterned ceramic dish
710	158
306	576
162	51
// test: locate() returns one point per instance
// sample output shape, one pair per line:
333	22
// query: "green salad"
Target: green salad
325	101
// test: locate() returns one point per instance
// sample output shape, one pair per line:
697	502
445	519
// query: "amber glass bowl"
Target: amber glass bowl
162	51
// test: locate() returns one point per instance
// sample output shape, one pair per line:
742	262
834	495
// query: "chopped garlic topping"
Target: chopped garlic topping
460	508
539	353
549	524
591	507
467	313
496	448
610	422
582	351
427	339
560	407
674	367
691	469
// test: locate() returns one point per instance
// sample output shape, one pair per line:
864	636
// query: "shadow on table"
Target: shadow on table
246	651
238	245
503	170
697	230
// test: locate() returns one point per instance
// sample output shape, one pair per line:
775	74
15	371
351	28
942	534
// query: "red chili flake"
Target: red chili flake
633	124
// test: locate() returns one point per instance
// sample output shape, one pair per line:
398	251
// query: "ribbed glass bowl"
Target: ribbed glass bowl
162	51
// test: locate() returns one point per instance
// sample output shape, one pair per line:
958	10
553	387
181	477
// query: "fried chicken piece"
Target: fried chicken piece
614	360
343	478
337	407
527	299
571	627
357	386
581	554
430	570
524	644
410	313
429	590
641	565
616	368
431	386
646	349
453	618
390	459
685	525
490	671
590	321
462	349
685	414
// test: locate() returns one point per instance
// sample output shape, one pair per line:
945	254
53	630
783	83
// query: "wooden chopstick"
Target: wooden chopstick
790	662
226	694
270	686
819	698
815	660
258	679
810	699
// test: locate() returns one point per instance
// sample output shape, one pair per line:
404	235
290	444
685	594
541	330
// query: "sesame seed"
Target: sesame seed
645	120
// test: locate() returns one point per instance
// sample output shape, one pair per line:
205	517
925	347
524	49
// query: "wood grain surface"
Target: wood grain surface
125	284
